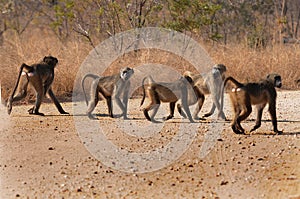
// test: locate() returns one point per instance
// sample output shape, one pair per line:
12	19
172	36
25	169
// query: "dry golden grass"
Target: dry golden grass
31	48
251	65
243	63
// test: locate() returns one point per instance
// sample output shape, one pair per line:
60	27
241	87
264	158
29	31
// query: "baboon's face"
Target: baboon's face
52	61
276	79
218	69
126	73
278	83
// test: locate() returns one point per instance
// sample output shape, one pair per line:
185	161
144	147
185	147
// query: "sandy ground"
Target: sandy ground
46	157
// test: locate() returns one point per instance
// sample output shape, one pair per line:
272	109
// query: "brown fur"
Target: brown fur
165	92
210	83
259	94
41	77
110	87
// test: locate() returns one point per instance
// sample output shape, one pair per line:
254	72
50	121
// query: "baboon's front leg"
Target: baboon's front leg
37	83
56	102
272	111
125	101
35	110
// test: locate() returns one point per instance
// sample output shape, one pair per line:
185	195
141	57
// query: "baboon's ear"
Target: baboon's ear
268	76
45	58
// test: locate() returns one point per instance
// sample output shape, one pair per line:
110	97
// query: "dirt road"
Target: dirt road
44	157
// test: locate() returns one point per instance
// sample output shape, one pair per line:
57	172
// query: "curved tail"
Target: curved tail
82	84
234	81
150	81
9	103
144	93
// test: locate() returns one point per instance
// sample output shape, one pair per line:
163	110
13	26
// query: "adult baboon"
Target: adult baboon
110	87
211	82
166	92
259	94
41	77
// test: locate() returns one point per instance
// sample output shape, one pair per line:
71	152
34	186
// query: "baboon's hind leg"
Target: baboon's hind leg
243	115
109	106
260	109
21	93
198	107
172	108
154	104
93	101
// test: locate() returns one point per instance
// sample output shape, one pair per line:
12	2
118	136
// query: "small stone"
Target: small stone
224	182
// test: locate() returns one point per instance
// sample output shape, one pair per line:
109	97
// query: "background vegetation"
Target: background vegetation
251	37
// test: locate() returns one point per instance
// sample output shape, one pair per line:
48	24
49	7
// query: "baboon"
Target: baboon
212	83
40	76
110	87
259	94
166	92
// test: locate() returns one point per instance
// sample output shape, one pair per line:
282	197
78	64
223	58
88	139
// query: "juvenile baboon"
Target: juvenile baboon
211	82
166	92
110	87
41	77
259	94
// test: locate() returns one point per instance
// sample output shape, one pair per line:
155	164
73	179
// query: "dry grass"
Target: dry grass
31	48
243	63
251	65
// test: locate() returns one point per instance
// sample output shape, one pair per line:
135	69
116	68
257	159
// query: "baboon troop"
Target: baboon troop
257	93
40	76
110	87
189	89
169	92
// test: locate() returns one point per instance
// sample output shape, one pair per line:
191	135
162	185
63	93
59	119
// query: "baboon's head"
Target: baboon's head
126	73
51	61
221	68
275	79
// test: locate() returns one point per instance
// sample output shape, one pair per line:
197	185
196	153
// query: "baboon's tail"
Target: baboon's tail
150	81
82	84
9	102
144	93
19	76
234	81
